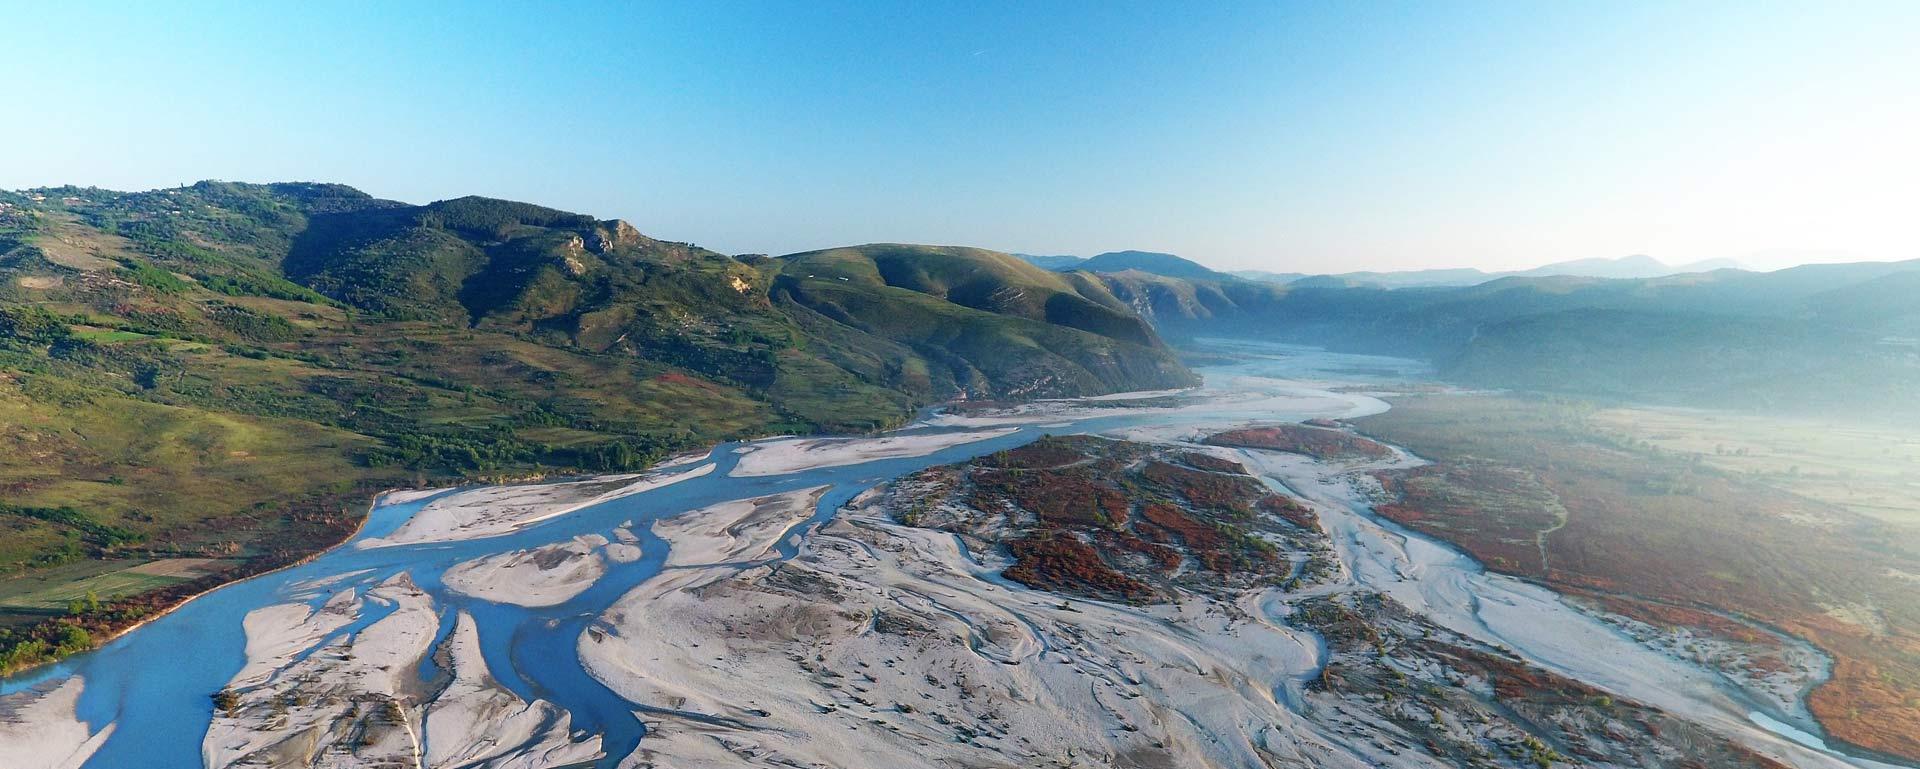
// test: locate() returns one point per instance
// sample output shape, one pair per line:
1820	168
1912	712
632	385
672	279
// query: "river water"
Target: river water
153	685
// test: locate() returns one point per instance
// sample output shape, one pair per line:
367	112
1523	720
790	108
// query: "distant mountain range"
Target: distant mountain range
1636	266
1816	339
1121	261
1825	338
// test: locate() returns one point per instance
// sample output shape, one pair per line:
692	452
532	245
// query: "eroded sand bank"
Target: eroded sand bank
496	510
315	693
542	576
789	455
39	730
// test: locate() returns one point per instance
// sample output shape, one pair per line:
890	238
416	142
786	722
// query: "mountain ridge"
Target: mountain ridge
1633	266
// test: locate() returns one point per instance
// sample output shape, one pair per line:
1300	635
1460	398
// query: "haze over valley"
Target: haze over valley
1497	387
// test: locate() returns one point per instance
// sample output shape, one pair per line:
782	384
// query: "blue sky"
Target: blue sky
1282	136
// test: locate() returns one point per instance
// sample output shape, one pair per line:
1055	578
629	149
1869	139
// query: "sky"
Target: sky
1281	136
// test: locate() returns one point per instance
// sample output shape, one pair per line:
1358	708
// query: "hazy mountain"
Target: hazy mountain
1811	338
1637	266
1409	279
1150	262
1061	262
1264	276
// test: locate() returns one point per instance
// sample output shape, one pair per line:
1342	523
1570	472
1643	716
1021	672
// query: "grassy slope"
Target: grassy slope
1664	528
992	324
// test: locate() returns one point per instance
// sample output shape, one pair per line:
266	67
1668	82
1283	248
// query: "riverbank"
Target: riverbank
53	640
101	625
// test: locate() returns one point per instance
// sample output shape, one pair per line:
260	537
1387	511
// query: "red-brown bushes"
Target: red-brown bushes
1062	563
1299	439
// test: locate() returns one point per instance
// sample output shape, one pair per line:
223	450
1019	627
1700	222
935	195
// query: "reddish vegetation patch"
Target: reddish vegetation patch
1322	422
1516	681
1211	463
1218	548
1290	510
1497	514
1670	616
1039	454
1166	558
1060	498
1110	519
1172	525
1229	494
1315	442
1061	562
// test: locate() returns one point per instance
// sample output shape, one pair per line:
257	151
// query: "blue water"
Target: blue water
155	683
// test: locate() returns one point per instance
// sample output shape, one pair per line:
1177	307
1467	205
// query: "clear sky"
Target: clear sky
1317	137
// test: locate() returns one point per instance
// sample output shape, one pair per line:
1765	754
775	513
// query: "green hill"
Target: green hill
985	322
1149	262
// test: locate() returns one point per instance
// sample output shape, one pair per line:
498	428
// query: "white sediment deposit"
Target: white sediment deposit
39	730
474	722
1453	591
788	455
737	531
277	634
542	576
403	496
884	645
317	694
344	700
496	510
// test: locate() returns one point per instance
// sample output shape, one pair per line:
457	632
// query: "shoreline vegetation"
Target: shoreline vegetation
53	640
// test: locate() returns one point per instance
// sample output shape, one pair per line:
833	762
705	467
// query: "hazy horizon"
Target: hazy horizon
1287	138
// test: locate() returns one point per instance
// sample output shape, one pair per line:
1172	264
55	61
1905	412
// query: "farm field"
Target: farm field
54	590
